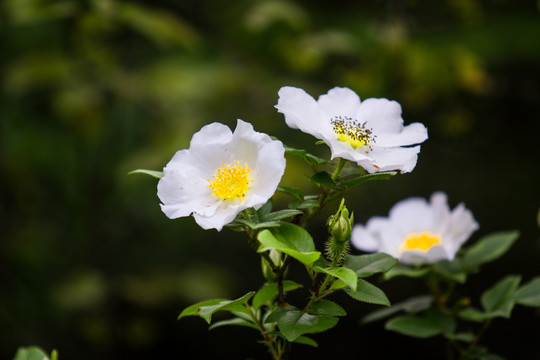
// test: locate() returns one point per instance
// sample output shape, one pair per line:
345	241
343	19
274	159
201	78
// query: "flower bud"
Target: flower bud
340	227
340	224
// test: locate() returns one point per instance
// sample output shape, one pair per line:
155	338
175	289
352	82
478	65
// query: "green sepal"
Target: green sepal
344	274
293	322
369	293
404	270
529	293
269	292
30	353
326	308
305	341
233	322
498	300
291	240
153	173
410	306
431	324
488	248
367	265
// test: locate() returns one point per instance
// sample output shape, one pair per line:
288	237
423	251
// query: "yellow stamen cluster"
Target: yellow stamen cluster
231	181
352	132
420	241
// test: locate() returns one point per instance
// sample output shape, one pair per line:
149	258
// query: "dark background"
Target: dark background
93	89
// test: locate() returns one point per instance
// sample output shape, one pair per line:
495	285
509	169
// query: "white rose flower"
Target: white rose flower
370	133
221	174
417	232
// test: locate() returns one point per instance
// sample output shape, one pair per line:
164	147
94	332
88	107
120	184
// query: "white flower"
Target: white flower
370	133
417	232
221	174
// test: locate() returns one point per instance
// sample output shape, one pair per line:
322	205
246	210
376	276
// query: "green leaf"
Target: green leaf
404	270
464	336
254	226
305	341
346	275
498	300
206	312
193	309
326	308
472	314
281	214
488	248
412	305
265	209
153	173
269	292
291	240
304	204
368	177
323	178
434	323
297	193
293	322
233	322
369	293
529	294
304	155
367	265
451	270
30	353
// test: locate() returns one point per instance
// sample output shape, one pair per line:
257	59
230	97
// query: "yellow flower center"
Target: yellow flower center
231	181
420	241
352	132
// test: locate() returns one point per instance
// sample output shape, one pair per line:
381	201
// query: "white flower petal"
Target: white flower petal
387	159
412	134
184	188
339	101
383	122
300	109
415	216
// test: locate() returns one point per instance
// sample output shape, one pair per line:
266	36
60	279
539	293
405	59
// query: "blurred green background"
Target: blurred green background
91	89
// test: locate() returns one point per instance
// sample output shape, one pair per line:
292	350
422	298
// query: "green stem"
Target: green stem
338	169
268	340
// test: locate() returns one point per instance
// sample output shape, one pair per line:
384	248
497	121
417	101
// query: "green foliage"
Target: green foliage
153	173
293	322
233	322
431	324
306	341
498	300
207	308
268	293
346	275
410	306
33	353
489	248
326	308
367	265
304	155
369	293
528	294
404	270
291	240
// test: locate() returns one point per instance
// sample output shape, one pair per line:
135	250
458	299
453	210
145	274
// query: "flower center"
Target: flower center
231	181
352	132
420	241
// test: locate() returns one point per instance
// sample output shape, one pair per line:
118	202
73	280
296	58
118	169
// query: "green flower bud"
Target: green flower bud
340	227
340	224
